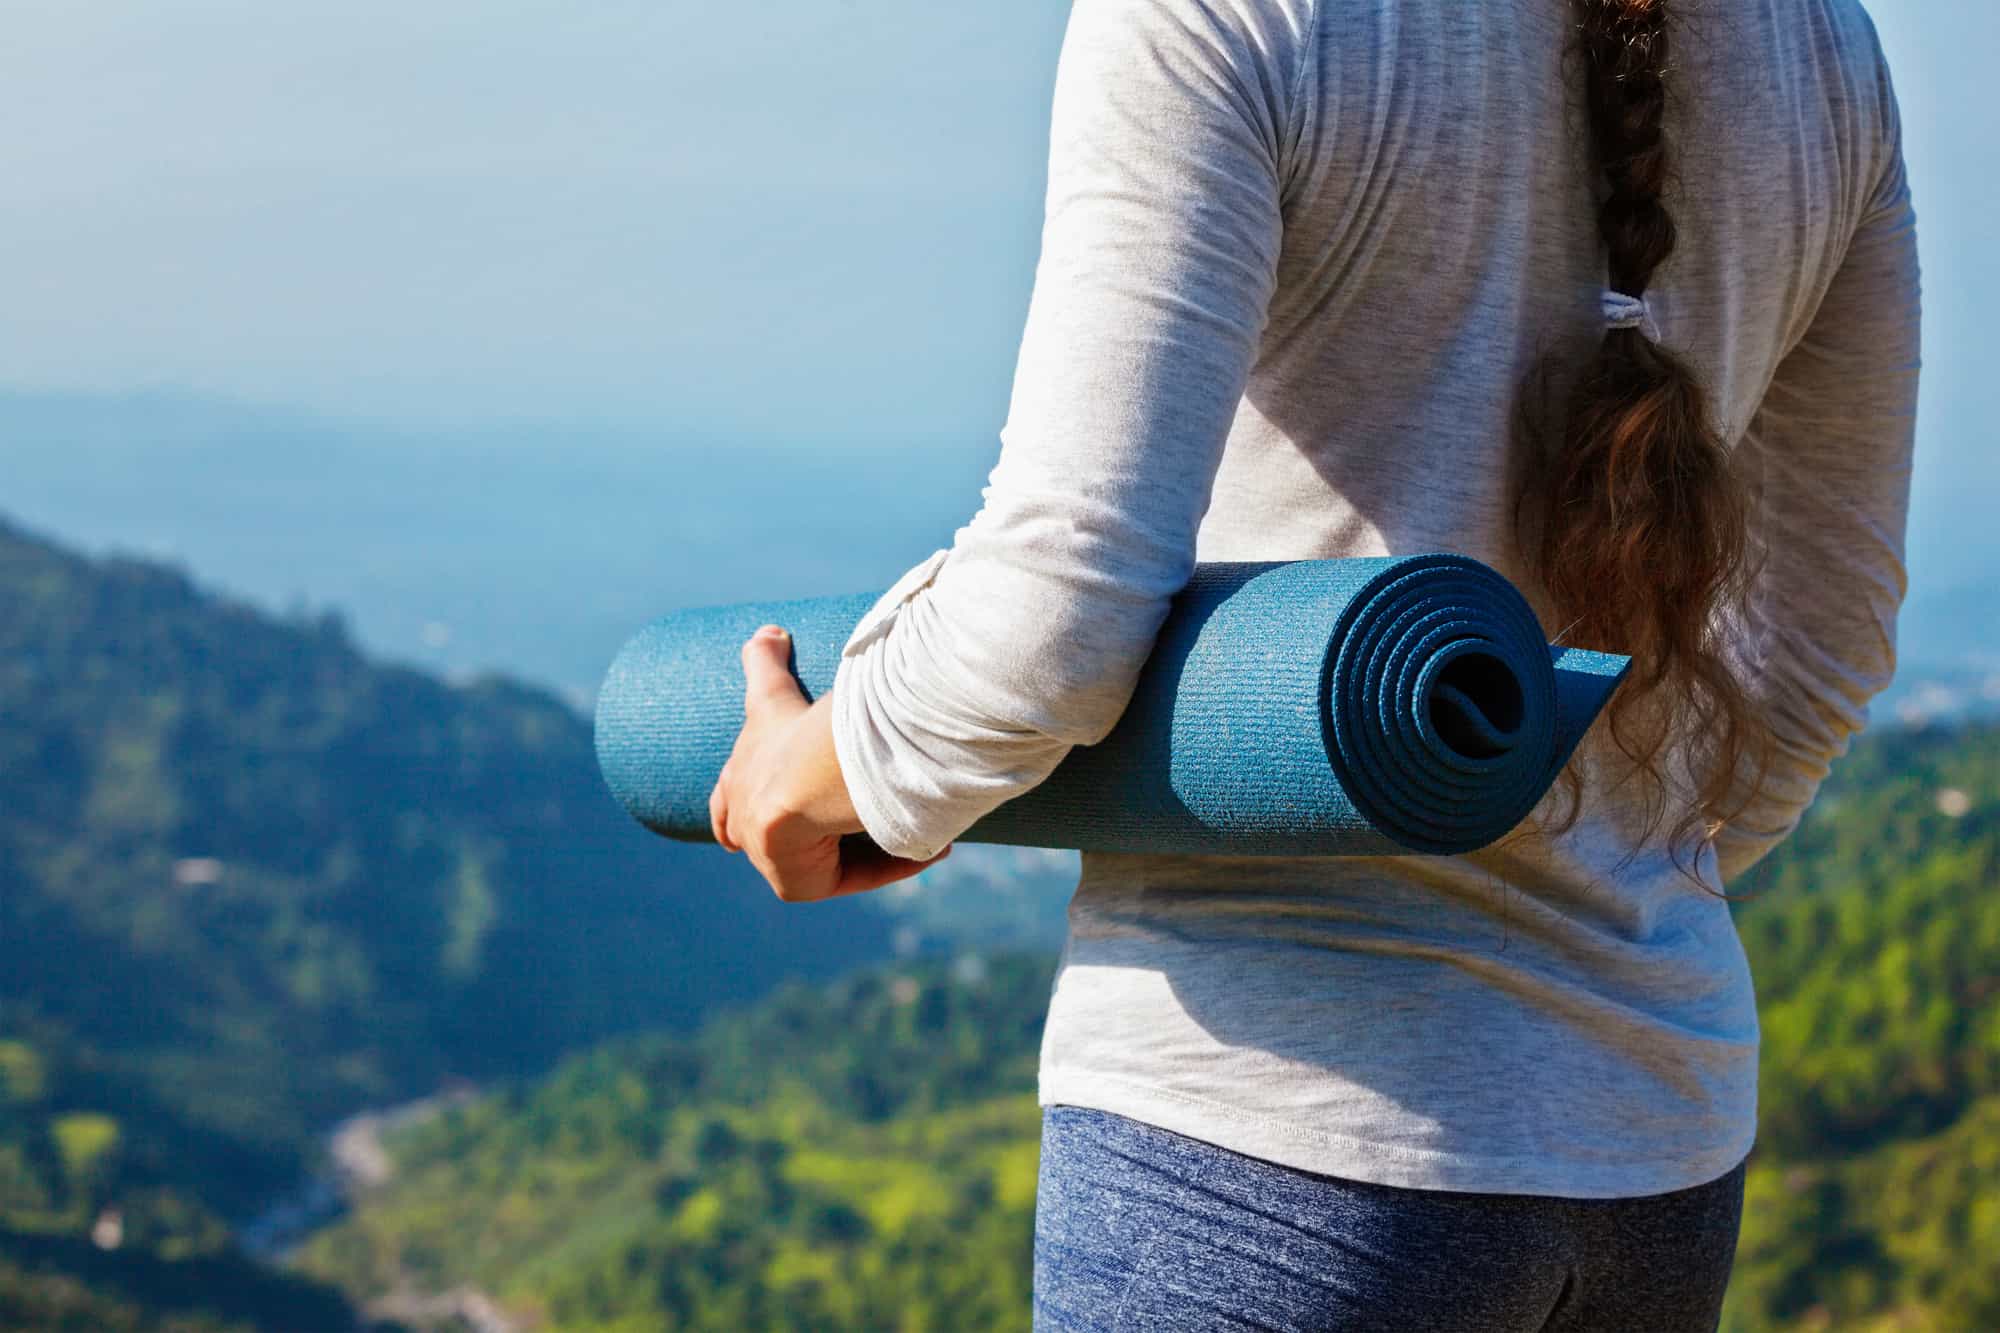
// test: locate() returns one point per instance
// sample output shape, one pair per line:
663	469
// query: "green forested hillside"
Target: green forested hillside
1875	937
863	1156
251	881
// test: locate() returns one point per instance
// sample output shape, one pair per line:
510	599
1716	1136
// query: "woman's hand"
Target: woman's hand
781	798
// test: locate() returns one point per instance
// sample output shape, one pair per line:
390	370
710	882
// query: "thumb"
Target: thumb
767	675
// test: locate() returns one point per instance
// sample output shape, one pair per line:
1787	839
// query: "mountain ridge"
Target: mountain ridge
255	880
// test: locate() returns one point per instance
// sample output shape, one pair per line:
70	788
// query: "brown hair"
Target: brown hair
1636	522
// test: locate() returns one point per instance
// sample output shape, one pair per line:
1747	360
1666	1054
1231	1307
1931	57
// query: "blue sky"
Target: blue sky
753	219
796	225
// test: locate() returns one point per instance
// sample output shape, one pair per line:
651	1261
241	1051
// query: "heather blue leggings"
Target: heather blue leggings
1140	1228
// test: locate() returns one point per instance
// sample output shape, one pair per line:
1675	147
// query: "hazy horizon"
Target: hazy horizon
537	553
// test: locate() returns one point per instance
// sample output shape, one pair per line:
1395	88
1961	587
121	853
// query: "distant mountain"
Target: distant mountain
536	549
863	1155
250	881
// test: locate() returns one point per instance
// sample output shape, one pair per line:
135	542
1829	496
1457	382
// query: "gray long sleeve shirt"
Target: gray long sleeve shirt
1297	257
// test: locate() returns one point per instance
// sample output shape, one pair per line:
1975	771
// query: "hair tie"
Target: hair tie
1625	311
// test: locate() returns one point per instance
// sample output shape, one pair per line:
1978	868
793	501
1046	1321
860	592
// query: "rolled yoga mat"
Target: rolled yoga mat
1378	705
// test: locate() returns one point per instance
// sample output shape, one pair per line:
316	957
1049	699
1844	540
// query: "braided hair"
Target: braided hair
1635	522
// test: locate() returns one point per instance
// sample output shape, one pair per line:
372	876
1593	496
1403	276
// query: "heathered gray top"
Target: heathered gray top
1298	254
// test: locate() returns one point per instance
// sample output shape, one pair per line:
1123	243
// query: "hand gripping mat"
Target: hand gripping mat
1369	706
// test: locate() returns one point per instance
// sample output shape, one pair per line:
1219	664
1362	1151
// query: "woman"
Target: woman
1620	299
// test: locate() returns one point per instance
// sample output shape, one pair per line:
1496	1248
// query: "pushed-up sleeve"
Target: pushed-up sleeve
1834	439
971	678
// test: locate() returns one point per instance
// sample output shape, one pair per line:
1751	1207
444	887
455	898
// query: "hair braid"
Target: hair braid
1639	530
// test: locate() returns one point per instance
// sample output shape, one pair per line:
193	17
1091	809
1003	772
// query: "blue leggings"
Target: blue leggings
1138	1227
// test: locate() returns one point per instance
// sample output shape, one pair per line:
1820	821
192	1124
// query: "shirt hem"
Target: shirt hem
1289	1144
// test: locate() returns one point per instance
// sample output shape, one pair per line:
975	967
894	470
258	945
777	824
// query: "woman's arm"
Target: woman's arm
1832	442
1173	123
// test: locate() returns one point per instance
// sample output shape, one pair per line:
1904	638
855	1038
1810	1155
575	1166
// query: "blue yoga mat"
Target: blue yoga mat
1380	705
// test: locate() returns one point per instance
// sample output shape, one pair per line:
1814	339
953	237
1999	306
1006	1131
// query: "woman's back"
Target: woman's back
1383	217
1440	234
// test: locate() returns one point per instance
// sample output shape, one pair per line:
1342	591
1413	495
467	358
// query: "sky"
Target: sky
745	218
674	231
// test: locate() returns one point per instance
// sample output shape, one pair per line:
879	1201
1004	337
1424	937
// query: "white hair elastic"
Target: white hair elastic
1624	311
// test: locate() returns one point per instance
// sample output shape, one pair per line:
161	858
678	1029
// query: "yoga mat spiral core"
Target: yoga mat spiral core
1369	706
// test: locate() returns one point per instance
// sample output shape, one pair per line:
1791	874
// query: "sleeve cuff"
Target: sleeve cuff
858	747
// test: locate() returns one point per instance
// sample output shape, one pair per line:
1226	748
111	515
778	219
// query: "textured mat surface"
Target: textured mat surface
1379	705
